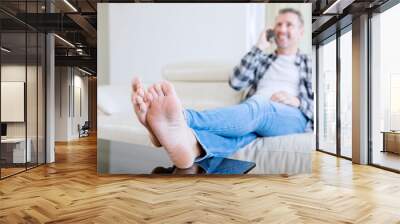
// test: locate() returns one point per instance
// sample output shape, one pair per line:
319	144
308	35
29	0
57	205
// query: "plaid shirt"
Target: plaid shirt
253	67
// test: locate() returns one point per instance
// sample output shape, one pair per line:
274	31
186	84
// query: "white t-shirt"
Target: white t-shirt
282	75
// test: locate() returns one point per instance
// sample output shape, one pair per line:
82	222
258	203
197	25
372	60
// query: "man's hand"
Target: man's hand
285	98
262	42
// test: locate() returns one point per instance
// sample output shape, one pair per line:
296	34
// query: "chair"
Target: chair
84	130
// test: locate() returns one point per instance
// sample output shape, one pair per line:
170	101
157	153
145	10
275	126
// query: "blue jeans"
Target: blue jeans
223	131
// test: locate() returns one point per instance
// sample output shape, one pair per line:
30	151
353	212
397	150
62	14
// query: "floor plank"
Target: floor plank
69	191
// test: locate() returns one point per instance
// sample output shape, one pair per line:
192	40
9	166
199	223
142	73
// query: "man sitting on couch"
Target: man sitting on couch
279	102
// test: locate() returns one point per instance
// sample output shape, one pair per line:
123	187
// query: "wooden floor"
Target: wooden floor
70	191
10	171
387	159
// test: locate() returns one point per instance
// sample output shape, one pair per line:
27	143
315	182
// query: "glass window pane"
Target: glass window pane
41	98
386	89
31	86
22	88
346	94
31	98
327	97
13	87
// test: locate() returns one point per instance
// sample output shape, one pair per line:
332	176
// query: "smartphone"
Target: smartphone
212	165
270	35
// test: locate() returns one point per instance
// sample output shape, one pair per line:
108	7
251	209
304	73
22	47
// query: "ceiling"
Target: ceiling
76	22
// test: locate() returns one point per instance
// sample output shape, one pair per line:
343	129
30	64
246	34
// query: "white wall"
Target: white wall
140	39
67	115
62	81
33	126
12	100
80	103
14	72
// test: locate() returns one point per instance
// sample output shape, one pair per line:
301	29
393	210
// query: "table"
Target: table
13	150
391	141
114	157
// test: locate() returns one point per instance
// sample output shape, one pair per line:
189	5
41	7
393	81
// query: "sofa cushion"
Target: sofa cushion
122	128
288	154
206	95
113	99
105	102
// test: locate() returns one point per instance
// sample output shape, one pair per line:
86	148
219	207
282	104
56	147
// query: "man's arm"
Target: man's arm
306	95
251	65
244	73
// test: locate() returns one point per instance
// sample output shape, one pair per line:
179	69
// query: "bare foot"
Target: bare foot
141	105
166	119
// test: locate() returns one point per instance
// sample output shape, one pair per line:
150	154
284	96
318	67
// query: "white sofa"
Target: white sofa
204	86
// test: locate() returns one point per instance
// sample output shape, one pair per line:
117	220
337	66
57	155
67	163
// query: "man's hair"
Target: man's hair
294	11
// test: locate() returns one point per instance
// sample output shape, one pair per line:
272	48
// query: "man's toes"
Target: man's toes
139	100
133	98
148	97
167	88
153	92
136	84
140	104
142	107
158	90
135	104
140	92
